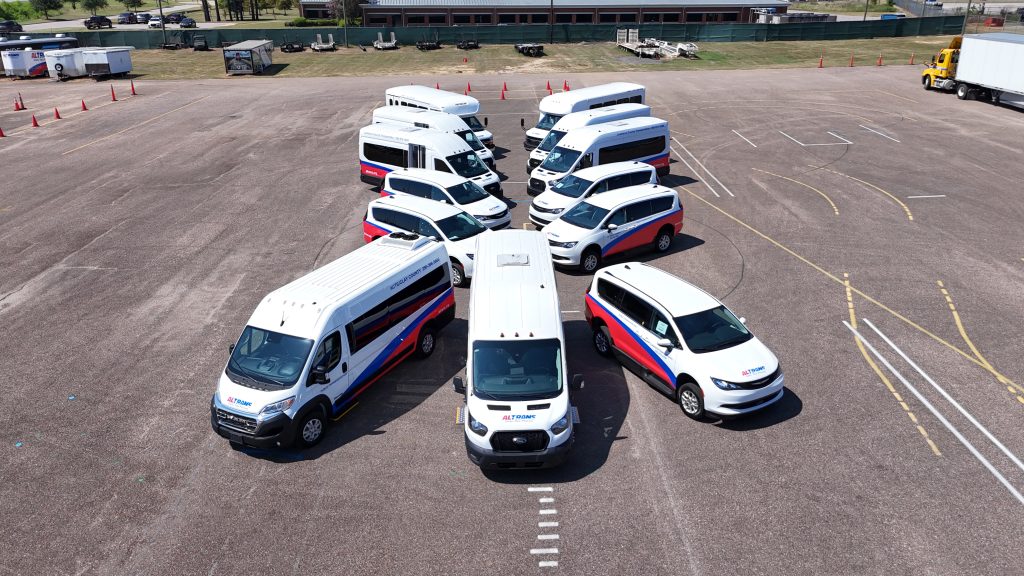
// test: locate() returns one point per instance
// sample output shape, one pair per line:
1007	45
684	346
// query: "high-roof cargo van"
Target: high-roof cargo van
579	120
433	120
554	106
465	107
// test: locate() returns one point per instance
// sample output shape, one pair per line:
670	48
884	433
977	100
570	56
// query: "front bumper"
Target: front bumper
739	402
496	223
489	459
565	256
275	432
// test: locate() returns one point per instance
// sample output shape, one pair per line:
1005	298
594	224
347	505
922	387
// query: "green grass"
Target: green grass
844	7
561	58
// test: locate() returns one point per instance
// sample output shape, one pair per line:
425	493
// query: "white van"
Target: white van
433	120
312	346
641	139
582	184
579	120
465	107
450	189
518	411
385	147
554	106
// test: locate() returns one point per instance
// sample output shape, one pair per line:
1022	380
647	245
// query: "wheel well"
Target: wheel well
319	403
668	229
455	261
683	379
592	247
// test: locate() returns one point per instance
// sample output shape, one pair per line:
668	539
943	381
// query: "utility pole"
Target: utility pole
865	10
344	19
963	30
551	22
163	23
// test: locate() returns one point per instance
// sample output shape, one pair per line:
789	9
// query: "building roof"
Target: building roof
585	4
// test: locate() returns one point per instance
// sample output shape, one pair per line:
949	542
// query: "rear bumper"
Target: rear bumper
489	459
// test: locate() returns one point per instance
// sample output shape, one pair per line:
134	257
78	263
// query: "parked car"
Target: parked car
10	26
142	18
174	17
155	22
127	18
97	22
187	23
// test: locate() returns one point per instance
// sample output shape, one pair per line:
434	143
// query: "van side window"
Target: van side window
642	177
618	217
638	211
662	204
601	186
328	354
439	195
397	308
364	329
610	292
400	185
636	99
441	166
417	189
620	181
424	228
662	329
636	309
386	155
385	216
633	150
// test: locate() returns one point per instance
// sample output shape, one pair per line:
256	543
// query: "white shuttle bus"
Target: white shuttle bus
465	107
433	120
579	120
518	412
641	139
554	106
314	345
386	147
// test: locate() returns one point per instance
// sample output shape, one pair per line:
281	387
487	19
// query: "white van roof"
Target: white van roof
612	199
444	143
298	308
434	98
678	296
431	119
429	209
581	138
600	115
563	102
513	295
595	173
443	179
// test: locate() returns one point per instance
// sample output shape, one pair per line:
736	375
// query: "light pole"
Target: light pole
865	10
551	22
344	20
967	15
163	23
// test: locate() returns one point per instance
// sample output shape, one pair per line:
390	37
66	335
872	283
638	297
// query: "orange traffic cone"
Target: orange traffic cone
566	87
56	114
504	86
550	92
465	93
549	86
465	60
821	60
35	123
502	94
468	88
437	86
912	54
133	88
83	106
113	97
17	107
2	135
879	63
851	59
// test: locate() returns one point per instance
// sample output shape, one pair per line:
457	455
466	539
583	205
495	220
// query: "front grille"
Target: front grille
500	215
531	142
543	210
235	421
759	383
536	440
533	163
494	189
537	184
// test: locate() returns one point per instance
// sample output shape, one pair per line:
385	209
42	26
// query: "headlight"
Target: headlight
476	426
564	244
561	426
558	211
725	385
277	406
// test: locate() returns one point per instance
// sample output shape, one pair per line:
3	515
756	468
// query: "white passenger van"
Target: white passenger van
433	120
312	346
641	139
518	411
554	106
579	120
582	184
385	147
465	107
449	189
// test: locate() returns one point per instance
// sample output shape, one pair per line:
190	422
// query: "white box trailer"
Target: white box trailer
249	57
25	63
112	61
994	62
64	64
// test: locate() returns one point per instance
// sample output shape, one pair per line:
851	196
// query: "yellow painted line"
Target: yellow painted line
153	119
6	208
895	199
858	292
912	417
1020	399
960	325
350	408
805	185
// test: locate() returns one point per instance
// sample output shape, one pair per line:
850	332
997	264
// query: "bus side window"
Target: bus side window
441	166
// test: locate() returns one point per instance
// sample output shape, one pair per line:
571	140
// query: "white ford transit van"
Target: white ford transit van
427	98
579	120
554	106
433	120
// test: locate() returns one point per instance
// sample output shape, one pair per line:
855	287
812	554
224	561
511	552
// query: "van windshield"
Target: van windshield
267	358
471	139
473	123
467	164
467	193
549	142
571	186
517	369
560	160
460	226
585	215
547	121
710	330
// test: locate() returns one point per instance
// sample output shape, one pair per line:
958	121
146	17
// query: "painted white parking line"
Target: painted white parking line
840	137
543	550
694	170
570	311
929	196
547	536
547	524
935	412
540	489
879	133
706	171
549	511
548	564
744	138
545	500
843	143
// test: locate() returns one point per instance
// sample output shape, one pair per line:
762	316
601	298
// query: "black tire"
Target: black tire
691	401
663	241
927	82
426	342
963	91
458	274
311	428
602	341
590	260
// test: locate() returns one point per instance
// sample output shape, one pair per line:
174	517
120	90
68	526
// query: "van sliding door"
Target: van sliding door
417	156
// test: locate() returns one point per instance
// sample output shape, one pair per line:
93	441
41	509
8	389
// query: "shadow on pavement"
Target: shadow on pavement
789	406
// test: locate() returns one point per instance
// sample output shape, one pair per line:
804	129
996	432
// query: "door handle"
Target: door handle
344	367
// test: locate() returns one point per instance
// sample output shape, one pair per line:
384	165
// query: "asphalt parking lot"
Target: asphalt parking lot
137	237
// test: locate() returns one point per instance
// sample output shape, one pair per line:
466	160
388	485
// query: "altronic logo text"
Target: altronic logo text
753	371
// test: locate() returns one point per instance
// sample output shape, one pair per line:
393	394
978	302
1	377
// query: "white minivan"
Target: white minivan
642	139
582	184
314	345
554	106
386	147
427	98
450	189
682	341
433	120
518	412
579	120
442	222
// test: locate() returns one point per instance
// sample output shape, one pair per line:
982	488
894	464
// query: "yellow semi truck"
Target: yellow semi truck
982	66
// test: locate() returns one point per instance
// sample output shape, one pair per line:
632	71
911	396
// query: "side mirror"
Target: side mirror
665	343
577	382
459	385
485	120
231	348
743	320
522	123
318	377
612	227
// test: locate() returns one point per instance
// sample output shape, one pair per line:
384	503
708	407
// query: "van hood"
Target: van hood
561	231
486	207
500	415
746	362
247	400
549	199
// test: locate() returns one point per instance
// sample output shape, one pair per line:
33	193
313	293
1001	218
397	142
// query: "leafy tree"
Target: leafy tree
74	4
46	6
131	5
93	5
285	5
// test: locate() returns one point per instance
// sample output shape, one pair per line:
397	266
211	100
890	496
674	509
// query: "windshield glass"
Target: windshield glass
467	164
571	186
473	124
460	226
585	215
467	193
517	370
471	139
560	160
710	330
553	137
268	357
547	121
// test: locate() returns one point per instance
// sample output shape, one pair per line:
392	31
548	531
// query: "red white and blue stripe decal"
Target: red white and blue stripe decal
640	352
371	231
660	161
375	170
634	238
